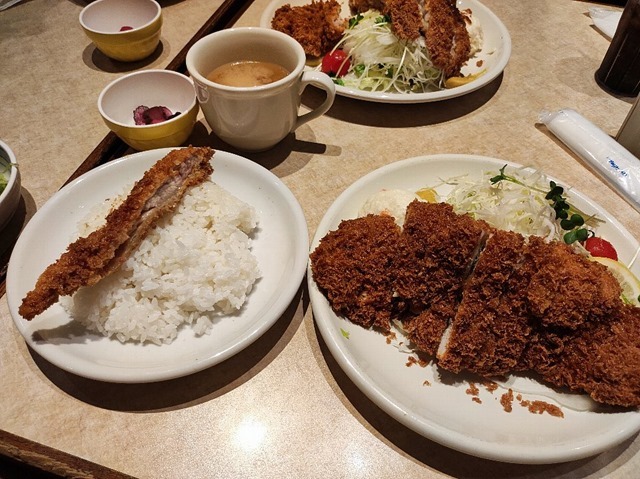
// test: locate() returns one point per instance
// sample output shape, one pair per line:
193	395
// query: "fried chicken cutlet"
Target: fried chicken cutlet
353	267
436	253
90	258
316	26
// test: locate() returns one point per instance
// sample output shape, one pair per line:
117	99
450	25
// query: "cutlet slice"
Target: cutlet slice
91	258
436	253
353	267
446	35
601	359
491	327
317	26
406	18
576	310
615	364
566	289
567	293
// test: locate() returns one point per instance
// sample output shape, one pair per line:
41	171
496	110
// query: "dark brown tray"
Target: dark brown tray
111	147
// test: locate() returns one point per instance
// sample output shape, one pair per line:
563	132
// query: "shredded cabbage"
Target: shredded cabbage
510	206
382	62
4	175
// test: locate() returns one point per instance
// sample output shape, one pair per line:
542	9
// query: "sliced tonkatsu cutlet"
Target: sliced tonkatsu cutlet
567	293
353	267
436	253
600	358
615	366
491	327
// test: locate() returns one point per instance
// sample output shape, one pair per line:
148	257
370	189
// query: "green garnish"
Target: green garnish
359	69
571	219
383	19
4	168
353	21
344	333
338	81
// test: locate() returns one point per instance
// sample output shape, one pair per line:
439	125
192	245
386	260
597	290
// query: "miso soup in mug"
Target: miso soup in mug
247	73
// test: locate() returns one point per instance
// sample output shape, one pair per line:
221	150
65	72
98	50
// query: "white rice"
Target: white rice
194	267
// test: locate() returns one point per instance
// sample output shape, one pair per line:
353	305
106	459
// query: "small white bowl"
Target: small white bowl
150	88
10	196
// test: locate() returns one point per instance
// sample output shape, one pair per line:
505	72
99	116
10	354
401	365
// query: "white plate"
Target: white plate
496	50
445	413
281	246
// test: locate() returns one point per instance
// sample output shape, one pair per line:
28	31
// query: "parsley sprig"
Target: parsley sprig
571	219
353	21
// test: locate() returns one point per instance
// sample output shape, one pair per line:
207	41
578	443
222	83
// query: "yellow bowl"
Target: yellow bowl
102	21
150	88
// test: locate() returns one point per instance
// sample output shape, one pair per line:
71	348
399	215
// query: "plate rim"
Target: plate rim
324	316
167	371
407	98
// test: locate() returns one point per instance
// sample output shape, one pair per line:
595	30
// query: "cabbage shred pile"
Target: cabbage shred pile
520	206
4	172
381	62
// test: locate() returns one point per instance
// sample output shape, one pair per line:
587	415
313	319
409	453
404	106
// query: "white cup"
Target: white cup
254	118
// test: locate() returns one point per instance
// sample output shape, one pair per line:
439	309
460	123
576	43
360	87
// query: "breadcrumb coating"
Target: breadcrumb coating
491	327
493	305
353	266
447	37
316	26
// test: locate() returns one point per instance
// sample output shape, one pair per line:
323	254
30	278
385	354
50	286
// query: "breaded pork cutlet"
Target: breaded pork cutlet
615	364
446	35
91	258
406	18
491	327
535	306
513	304
568	290
574	304
353	267
600	358
316	26
436	252
361	6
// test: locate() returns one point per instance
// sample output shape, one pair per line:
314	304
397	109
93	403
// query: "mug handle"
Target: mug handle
322	81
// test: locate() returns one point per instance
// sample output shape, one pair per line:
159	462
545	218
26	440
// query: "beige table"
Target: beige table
310	418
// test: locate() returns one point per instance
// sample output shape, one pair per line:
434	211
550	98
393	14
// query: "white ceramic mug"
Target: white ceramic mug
254	118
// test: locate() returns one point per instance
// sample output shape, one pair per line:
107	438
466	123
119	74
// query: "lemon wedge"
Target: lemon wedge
428	194
628	281
453	82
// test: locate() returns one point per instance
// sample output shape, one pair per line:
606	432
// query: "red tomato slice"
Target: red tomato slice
336	63
601	248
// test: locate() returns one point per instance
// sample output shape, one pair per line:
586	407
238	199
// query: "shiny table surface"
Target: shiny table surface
283	407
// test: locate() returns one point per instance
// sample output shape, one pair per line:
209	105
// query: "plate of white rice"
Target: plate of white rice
210	279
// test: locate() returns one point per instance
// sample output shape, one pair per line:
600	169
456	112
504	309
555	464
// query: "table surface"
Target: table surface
314	420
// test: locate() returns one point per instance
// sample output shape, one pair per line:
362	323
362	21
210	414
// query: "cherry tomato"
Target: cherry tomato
336	63
601	248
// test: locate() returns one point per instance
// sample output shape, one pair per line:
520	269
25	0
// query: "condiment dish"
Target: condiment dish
10	196
123	30
150	88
